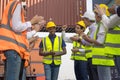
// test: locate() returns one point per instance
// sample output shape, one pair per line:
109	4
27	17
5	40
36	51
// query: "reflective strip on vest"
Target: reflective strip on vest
115	45
113	41
13	41
102	57
9	28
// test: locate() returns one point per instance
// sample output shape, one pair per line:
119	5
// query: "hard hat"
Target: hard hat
104	6
90	15
50	24
81	23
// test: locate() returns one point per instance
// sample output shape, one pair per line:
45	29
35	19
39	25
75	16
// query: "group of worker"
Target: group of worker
96	45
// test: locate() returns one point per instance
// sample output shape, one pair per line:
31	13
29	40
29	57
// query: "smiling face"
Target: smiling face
51	30
79	29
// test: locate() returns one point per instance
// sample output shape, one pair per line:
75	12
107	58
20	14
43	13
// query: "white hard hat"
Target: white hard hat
90	15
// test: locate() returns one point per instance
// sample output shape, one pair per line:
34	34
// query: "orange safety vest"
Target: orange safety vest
9	39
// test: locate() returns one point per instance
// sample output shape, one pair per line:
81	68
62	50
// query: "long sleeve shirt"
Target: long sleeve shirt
110	22
92	31
17	24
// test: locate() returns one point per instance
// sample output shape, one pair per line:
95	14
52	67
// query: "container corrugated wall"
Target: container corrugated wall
3	4
61	11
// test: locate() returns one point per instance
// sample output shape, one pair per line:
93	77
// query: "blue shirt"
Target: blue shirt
52	37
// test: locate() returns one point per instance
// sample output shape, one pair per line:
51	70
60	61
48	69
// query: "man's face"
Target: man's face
86	21
51	30
97	17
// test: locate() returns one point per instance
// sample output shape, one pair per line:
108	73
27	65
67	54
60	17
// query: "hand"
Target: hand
99	10
36	19
42	22
64	27
37	27
75	50
52	53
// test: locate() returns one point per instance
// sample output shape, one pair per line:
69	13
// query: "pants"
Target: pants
22	71
104	72
92	70
11	64
80	68
51	71
117	63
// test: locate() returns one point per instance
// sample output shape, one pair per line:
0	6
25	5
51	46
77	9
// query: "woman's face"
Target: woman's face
79	29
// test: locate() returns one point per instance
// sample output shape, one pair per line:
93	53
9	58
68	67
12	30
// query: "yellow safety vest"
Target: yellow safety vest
77	55
100	58
56	47
112	44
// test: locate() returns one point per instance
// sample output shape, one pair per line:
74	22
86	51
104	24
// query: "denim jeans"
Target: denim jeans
12	65
117	63
92	70
104	72
80	68
22	71
51	71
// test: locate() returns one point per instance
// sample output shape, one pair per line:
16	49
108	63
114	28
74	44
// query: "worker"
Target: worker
52	47
13	38
103	61
80	61
89	20
113	35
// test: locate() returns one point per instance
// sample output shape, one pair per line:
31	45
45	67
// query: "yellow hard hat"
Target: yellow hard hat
81	23
50	24
105	7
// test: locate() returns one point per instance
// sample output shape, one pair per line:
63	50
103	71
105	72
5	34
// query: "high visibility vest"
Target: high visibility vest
113	41
78	55
55	47
9	39
99	57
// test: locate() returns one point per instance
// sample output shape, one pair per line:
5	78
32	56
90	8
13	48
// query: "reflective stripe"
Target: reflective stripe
9	28
51	58
83	55
44	44
13	41
102	57
100	46
114	31
115	45
59	43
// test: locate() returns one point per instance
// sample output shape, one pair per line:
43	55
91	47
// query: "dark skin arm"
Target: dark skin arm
61	53
41	53
52	53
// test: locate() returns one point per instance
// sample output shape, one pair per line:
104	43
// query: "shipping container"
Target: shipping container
61	11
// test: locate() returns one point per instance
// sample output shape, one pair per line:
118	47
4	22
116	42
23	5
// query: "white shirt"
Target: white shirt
110	22
101	33
17	24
